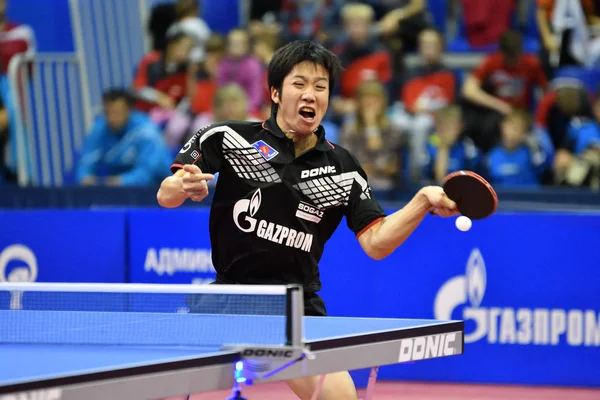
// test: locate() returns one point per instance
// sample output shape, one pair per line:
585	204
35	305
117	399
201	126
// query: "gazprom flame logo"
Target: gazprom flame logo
248	208
455	291
24	273
476	277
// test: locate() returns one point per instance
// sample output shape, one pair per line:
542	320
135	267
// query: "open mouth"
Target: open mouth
307	113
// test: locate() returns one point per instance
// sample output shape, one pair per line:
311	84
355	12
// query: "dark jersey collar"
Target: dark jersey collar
322	143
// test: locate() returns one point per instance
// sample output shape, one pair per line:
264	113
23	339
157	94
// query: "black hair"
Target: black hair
511	43
296	52
115	94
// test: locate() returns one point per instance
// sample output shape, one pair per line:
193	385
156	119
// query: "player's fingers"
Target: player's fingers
198	197
446	212
192	169
195	188
189	178
447	203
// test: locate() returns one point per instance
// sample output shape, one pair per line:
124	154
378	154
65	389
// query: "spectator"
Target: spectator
206	85
163	80
14	39
124	147
577	161
402	20
313	20
399	27
519	159
240	66
567	99
428	87
447	150
265	46
6	175
504	80
162	16
563	32
190	24
485	21
372	137
230	104
361	55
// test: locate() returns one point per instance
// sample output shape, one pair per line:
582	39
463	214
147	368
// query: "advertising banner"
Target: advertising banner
169	246
62	246
527	286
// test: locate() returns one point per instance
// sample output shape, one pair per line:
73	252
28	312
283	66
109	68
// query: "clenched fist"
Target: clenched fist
194	182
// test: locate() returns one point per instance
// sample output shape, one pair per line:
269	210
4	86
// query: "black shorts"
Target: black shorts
314	305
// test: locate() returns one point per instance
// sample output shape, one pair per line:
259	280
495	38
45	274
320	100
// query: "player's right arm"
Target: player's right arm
195	164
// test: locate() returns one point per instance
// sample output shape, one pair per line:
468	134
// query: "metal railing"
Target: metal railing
49	106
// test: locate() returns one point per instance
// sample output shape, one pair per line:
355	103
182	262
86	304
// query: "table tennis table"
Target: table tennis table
45	356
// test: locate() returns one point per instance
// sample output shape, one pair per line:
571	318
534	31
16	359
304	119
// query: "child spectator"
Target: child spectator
447	150
519	160
240	66
372	137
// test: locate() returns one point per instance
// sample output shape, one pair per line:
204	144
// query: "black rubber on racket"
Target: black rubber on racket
473	195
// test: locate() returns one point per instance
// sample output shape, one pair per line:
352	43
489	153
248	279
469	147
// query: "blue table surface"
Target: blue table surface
26	362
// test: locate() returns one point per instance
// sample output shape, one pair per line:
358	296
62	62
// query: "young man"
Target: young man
269	171
124	147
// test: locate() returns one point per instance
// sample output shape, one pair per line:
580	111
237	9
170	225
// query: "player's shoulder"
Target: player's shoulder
242	128
343	156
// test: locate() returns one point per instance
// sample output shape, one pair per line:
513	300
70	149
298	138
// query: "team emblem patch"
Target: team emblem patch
265	150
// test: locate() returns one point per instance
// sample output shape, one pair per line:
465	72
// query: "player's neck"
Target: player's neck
302	141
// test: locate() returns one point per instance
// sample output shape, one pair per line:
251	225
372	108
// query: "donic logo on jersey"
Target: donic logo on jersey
265	150
243	216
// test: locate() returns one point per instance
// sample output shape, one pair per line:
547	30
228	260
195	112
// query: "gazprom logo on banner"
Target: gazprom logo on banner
26	270
170	261
506	325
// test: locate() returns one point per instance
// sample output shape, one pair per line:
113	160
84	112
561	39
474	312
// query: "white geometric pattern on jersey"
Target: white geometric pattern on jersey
245	160
331	191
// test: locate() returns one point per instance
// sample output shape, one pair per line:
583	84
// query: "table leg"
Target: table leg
371	384
319	387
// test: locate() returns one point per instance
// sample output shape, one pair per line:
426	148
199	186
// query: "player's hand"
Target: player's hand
439	202
194	182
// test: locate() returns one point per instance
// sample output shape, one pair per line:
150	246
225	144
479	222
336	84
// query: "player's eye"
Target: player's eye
298	84
321	87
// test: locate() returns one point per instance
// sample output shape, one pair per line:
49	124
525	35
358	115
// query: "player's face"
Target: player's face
117	114
304	98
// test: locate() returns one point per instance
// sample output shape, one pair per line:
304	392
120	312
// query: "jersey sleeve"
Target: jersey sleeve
204	149
363	209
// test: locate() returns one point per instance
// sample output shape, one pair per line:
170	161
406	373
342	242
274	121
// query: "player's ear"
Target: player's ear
275	95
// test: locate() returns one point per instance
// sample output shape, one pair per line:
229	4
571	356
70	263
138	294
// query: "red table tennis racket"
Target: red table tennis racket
473	195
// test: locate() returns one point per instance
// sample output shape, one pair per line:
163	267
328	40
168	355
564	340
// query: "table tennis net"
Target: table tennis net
166	315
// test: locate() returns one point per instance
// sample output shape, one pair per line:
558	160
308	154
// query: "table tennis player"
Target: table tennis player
283	190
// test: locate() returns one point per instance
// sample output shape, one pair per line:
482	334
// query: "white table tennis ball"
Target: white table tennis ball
463	223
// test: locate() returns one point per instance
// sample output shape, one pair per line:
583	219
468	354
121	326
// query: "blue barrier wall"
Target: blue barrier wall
526	284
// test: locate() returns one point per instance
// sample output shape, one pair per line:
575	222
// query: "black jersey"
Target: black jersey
272	212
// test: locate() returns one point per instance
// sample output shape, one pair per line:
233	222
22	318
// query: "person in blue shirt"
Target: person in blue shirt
521	158
447	150
124	147
577	161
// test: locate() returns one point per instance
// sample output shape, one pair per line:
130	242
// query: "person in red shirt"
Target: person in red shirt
363	57
14	39
505	80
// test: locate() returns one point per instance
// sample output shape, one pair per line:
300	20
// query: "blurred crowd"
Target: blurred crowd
527	115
